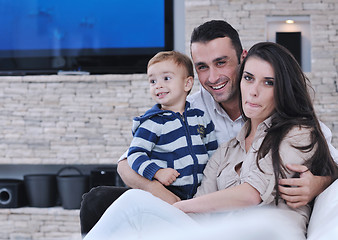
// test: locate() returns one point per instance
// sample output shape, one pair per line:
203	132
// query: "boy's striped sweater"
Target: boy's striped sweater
165	139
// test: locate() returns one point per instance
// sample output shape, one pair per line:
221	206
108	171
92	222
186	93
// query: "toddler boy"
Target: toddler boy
172	142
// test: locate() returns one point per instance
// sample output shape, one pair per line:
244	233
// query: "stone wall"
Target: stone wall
68	119
39	224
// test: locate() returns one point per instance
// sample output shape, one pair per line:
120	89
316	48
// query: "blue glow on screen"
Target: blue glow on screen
81	24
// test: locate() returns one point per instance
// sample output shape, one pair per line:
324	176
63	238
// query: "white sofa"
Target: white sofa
261	224
253	224
323	223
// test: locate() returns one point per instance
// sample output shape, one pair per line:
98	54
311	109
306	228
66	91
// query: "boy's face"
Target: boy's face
216	65
169	85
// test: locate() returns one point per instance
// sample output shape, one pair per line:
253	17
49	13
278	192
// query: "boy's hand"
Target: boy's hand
166	176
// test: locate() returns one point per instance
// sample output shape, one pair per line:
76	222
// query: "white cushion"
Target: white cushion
324	219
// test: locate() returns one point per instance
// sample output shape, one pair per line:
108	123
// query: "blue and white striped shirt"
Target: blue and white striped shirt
165	139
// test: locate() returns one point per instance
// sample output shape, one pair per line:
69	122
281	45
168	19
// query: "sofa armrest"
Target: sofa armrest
324	218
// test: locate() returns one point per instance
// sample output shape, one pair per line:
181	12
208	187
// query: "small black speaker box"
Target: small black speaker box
103	177
12	193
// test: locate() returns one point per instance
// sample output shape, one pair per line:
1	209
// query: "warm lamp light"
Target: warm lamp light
290	21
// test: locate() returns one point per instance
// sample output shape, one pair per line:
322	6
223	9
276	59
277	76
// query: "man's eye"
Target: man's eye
221	63
201	68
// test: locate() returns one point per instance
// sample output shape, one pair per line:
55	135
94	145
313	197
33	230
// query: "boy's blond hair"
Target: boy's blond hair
179	58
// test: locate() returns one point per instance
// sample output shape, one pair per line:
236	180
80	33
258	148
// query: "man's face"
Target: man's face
216	65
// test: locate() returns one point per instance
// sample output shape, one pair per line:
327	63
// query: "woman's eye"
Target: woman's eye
247	78
269	83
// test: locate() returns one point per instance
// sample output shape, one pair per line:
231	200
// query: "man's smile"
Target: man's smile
220	86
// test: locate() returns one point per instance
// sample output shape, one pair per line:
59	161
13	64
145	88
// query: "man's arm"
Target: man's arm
308	186
304	189
134	180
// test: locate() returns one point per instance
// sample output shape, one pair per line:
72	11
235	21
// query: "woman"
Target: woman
281	128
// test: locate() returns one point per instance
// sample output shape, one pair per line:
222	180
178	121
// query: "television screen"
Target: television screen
95	36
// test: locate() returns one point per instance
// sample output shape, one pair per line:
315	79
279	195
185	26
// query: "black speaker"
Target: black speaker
12	193
103	177
293	42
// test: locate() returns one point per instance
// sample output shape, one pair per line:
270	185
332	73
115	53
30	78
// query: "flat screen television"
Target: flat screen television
95	36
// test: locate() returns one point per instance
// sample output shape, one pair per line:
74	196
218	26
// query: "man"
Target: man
217	52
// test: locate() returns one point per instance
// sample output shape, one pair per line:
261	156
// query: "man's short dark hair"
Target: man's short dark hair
217	29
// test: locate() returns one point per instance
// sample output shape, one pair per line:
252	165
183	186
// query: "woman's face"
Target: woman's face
257	88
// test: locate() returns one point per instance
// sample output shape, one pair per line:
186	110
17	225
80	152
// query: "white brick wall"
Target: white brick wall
39	224
68	119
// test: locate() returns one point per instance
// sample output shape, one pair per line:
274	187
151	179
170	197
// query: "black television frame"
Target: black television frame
106	61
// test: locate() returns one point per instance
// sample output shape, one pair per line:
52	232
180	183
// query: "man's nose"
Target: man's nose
213	75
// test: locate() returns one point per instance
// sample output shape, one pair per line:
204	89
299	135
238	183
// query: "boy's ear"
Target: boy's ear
189	82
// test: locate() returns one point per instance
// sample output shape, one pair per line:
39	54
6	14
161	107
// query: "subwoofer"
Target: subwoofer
12	193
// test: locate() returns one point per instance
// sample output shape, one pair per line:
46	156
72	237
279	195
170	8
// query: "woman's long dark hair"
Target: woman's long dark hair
293	107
